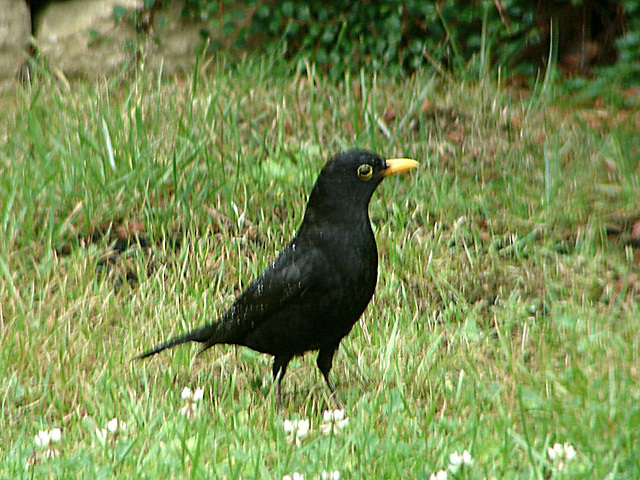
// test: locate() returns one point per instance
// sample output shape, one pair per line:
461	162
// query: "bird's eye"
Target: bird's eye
365	172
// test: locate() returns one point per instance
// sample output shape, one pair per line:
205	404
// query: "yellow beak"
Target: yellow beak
398	165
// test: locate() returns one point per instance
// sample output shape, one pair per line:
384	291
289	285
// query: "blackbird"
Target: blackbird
310	297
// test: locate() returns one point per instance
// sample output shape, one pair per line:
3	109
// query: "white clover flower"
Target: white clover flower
569	452
114	425
102	433
42	438
459	460
562	451
55	435
552	452
333	421
294	476
45	437
299	428
186	393
302	428
296	429
113	428
332	415
198	394
440	475
335	475
561	454
190	409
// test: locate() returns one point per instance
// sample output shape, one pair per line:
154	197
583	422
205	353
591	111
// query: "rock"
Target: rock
82	37
15	32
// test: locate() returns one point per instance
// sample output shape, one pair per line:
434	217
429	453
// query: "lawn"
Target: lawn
505	320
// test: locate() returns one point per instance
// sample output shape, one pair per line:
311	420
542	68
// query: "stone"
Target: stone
15	32
83	38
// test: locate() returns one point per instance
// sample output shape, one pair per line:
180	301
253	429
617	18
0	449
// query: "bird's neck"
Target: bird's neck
337	230
349	209
337	217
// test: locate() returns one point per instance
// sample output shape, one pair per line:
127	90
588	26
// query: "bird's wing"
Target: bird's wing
285	280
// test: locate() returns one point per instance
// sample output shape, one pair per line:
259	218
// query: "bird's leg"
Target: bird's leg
278	395
324	362
279	369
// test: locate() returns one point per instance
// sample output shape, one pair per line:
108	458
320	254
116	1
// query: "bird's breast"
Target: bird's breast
344	276
352	269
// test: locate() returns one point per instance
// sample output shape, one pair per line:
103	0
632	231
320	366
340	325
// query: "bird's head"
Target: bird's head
348	180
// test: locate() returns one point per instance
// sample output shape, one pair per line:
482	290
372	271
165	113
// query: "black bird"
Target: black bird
310	297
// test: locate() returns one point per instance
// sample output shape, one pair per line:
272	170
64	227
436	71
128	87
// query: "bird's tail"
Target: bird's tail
207	334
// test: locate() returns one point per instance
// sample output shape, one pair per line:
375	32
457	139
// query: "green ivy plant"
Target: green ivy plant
399	35
463	36
392	35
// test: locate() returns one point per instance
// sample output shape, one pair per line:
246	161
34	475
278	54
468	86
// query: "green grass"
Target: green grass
505	318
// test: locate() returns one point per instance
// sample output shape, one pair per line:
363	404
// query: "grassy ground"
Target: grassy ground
506	317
